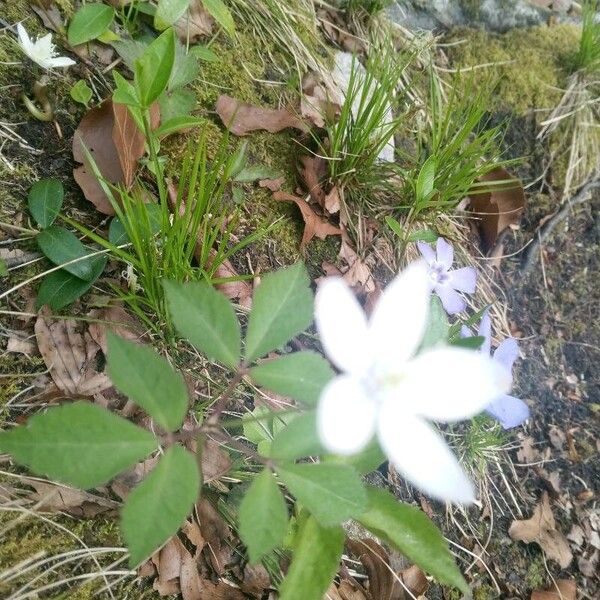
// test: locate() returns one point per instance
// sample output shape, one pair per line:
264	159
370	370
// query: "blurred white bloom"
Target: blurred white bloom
385	390
42	50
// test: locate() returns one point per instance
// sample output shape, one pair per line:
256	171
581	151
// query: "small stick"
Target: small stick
530	256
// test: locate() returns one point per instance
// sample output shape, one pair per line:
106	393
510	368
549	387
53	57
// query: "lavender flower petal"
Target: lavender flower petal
426	252
507	352
510	411
445	253
451	300
463	280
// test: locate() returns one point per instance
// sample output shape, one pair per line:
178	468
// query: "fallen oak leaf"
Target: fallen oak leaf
241	118
499	207
541	529
314	225
312	173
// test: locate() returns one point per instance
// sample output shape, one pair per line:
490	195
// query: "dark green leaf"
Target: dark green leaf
332	493
149	380
185	67
61	246
471	343
176	104
263	517
221	14
169	11
89	22
297	439
426	179
81	444
153	68
45	201
317	555
206	318
423	235
256	173
60	288
178	124
395	227
156	508
81	92
282	307
412	533
300	375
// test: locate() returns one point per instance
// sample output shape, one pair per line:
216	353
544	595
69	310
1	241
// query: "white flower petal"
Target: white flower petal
60	61
400	316
345	416
24	39
342	326
44	46
449	384
421	456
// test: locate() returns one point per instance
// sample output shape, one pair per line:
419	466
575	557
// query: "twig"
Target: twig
531	255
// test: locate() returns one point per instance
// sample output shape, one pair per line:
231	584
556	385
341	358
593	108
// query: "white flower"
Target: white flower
42	50
385	390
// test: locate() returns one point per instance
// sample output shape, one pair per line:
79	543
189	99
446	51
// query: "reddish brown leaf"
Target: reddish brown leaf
565	589
129	141
272	184
314	225
541	529
312	173
498	209
241	118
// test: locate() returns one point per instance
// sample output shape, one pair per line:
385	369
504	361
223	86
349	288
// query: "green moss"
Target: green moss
535	576
484	592
534	63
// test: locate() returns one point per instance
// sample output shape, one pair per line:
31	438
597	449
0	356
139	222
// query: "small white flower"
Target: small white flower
385	390
42	50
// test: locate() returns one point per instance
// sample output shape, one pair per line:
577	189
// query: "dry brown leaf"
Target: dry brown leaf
349	591
195	23
59	498
215	531
358	274
272	184
565	589
70	356
50	16
168	566
215	461
116	319
239	288
191	530
241	118
315	103
332	201
255	580
314	225
129	141
541	529
499	209
21	345
123	483
312	173
415	580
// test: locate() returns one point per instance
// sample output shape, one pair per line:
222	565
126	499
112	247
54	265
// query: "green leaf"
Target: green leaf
89	22
81	444
256	173
125	92
169	11
316	558
61	246
45	201
332	493
153	68
158	506
366	461
437	325
3	268
426	179
257	425
185	68
81	92
149	380
206	318
298	439
412	533
471	343
282	307
300	375
395	227
221	14
60	288
204	53
178	124
176	104
423	235
263	517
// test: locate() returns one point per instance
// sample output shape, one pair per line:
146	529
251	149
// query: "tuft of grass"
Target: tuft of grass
588	55
369	8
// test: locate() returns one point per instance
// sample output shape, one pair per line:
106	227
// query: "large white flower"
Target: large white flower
385	390
41	51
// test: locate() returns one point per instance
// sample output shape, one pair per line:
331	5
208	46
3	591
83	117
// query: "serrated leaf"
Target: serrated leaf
81	444
221	14
263	517
282	307
153	68
300	375
206	318
89	22
149	380
169	11
332	493
410	531
45	201
61	246
60	288
157	507
316	558
297	439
